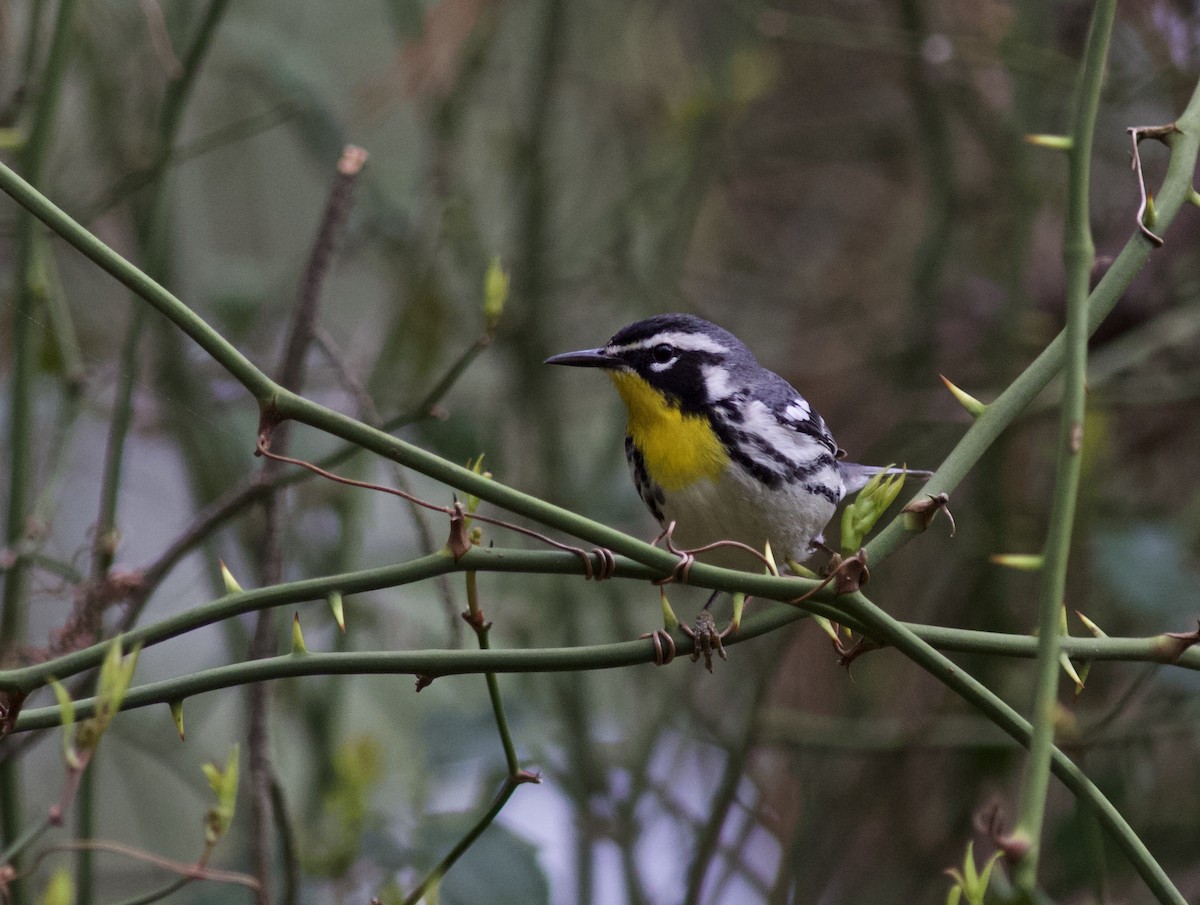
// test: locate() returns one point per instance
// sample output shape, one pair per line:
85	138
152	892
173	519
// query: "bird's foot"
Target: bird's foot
706	638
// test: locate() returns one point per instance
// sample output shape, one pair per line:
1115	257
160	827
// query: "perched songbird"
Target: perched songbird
720	445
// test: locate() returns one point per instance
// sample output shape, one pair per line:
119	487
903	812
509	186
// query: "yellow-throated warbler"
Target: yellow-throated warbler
718	444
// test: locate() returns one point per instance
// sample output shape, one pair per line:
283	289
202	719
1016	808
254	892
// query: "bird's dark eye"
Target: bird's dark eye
663	353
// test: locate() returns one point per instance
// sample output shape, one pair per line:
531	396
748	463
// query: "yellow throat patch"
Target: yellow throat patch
678	449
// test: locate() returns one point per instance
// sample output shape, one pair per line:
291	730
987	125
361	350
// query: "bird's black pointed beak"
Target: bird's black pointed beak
586	358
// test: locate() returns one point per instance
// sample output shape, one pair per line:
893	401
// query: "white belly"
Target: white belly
735	506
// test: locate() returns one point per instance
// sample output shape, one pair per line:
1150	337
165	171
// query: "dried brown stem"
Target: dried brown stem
194	871
1136	134
291	374
606	560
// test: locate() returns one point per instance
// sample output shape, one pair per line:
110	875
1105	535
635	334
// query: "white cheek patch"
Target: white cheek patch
716	382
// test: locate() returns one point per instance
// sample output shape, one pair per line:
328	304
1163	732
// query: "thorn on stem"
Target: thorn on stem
458	542
847	655
852	573
919	514
1181	641
475	620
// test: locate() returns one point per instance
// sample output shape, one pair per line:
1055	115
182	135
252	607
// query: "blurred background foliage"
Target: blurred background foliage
845	185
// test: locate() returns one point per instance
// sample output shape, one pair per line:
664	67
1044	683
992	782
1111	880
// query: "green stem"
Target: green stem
515	777
435	876
152	233
104	545
252	488
601	656
28	678
23	840
1174	192
21	431
239	367
1155	649
1176	186
33	36
482	633
1000	413
441	663
1078	256
85	828
21	414
1175	189
883	627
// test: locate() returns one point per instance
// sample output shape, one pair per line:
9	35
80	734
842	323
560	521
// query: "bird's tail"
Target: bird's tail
856	476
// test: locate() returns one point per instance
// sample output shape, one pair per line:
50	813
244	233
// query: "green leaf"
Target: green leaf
495	293
475	465
60	890
335	604
827	628
970	878
177	715
224	784
121	675
986	877
670	620
1024	562
66	709
868	507
739	604
116	674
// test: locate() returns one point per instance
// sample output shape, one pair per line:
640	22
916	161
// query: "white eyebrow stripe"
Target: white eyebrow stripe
688	342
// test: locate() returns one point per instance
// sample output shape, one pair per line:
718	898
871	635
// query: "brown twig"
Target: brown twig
606	560
853	567
688	557
252	487
1136	134
291	374
182	868
369	412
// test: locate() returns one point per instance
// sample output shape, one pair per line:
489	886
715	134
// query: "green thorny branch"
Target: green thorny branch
1167	649
647	561
1079	254
515	775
